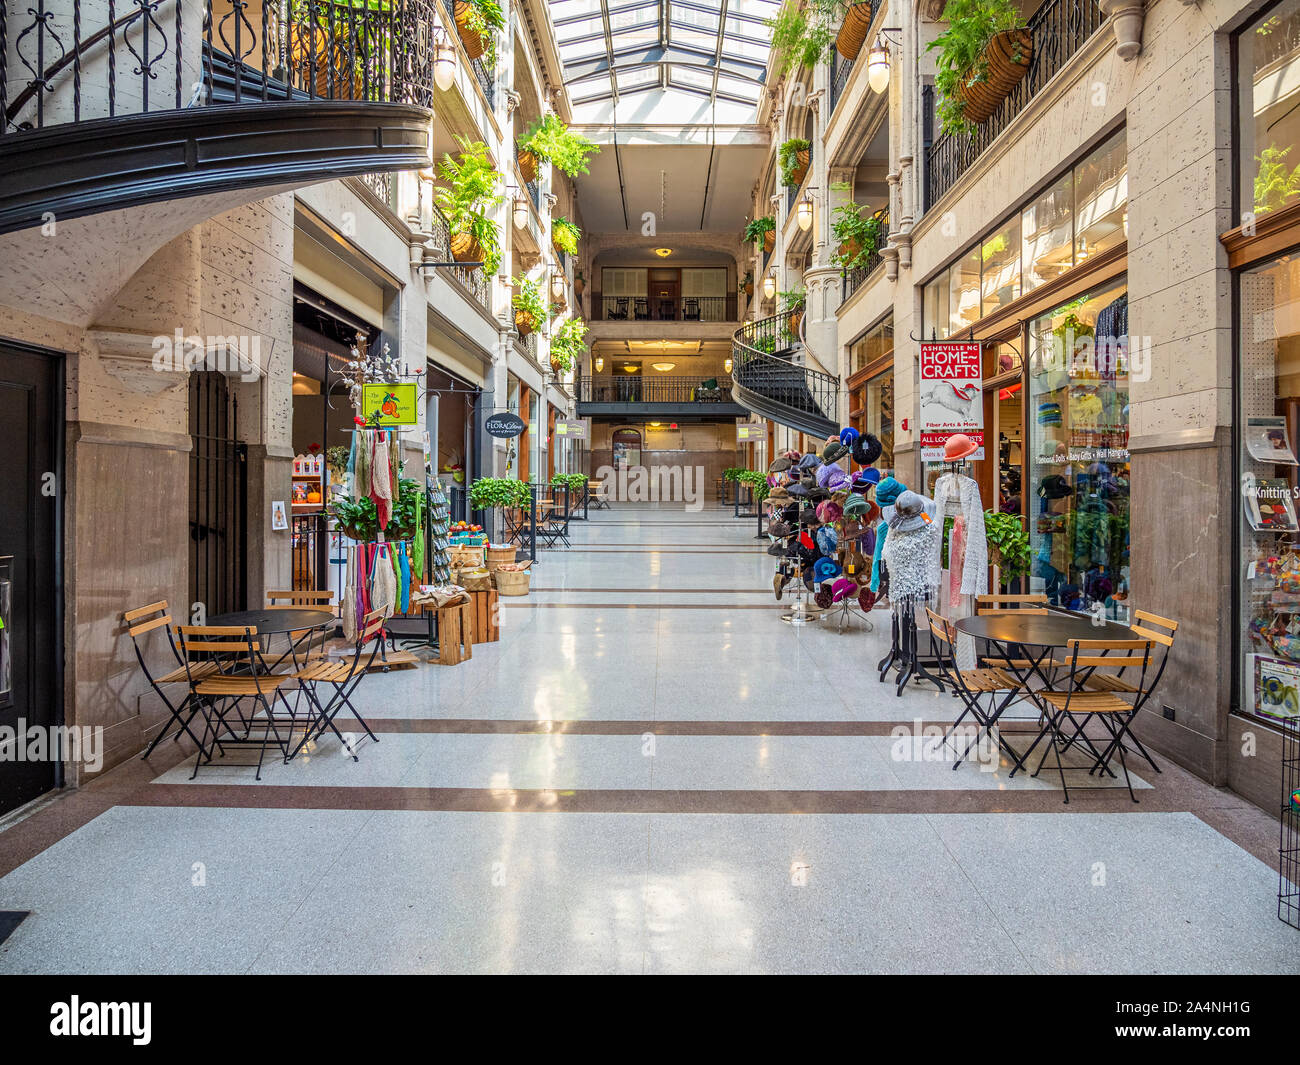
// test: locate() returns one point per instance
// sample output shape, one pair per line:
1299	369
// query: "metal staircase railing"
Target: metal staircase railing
767	380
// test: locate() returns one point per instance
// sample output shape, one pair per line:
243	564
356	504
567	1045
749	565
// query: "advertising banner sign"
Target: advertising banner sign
952	395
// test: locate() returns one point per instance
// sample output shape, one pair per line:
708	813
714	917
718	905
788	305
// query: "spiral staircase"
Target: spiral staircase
768	381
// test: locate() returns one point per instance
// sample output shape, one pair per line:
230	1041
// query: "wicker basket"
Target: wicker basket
527	165
465	249
769	240
803	160
466	556
472	41
512	582
1008	56
525	323
474	580
498	555
853	31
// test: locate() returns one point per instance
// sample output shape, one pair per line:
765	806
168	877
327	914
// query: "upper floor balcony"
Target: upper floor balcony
664	308
184	97
677	395
1059	29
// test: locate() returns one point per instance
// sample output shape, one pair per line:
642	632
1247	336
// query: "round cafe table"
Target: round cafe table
276	623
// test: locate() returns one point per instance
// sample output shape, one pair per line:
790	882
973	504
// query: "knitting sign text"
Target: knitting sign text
952	395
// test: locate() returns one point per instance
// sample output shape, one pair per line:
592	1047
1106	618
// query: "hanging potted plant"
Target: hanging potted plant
477	24
568	345
858	233
795	156
802	34
465	199
983	54
530	311
747	284
564	236
548	139
794	303
853	31
762	230
579	282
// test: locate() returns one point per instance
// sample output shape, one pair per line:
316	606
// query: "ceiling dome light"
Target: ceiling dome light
804	214
521	212
878	67
769	287
663	367
663	253
444	65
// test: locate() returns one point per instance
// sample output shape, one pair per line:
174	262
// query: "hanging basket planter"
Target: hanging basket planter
472	41
803	159
527	165
525	323
795	318
853	31
557	367
1008	55
336	77
749	288
769	240
579	285
559	252
850	250
465	249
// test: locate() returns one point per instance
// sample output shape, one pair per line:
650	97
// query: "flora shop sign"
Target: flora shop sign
504	426
952	395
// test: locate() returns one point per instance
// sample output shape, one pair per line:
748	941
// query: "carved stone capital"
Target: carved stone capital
513	100
890	255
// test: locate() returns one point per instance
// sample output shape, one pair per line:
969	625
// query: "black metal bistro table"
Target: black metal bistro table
277	623
1027	641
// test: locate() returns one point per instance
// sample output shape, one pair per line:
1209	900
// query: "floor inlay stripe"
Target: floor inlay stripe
557	726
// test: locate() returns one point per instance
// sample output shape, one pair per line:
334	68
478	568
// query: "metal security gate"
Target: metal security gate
218	498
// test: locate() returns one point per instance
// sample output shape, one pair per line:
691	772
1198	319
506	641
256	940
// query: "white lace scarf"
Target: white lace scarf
975	564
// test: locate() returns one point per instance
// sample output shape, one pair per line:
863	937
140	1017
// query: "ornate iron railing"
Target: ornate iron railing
841	70
852	280
1059	28
637	389
763	356
527	345
668	309
381	185
472	281
73	62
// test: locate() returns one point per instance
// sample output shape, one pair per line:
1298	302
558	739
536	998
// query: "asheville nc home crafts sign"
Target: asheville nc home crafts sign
952	395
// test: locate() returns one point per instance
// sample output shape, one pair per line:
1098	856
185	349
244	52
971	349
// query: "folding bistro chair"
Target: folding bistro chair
221	685
556	526
1112	709
1147	626
145	619
343	677
971	685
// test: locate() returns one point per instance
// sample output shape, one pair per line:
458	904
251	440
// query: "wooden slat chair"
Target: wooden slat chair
239	676
1115	710
146	619
971	685
303	599
343	676
1148	626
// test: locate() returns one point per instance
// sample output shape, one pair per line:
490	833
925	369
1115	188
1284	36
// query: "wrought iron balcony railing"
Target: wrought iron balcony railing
636	389
472	281
841	70
667	309
1059	28
771	383
854	279
76	61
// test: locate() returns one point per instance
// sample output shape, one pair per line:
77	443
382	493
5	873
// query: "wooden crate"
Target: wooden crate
455	633
486	627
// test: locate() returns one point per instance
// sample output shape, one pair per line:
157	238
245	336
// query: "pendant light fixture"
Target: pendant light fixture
804	212
769	286
878	66
600	363
557	286
520	213
444	65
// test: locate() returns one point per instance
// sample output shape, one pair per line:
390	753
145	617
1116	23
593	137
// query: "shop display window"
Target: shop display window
1268	64
880	415
1077	498
1047	232
1268	418
1000	263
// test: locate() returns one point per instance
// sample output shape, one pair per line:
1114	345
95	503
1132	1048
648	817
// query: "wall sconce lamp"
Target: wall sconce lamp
557	286
519	214
600	363
769	286
444	60
878	60
804	212
726	364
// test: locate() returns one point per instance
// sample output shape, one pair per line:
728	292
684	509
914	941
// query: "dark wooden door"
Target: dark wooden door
31	641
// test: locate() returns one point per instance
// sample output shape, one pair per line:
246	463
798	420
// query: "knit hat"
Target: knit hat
909	513
855	506
865	450
829	511
828	542
826	569
888	491
842	588
864	479
847	435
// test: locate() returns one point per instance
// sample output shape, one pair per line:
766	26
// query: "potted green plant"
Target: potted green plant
568	344
858	234
565	235
579	282
1008	545
489	493
358	519
794	302
336	459
469	193
794	156
530	308
757	483
747	283
762	231
477	24
549	139
983	54
802	34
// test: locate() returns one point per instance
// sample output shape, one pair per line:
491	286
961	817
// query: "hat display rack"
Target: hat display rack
821	519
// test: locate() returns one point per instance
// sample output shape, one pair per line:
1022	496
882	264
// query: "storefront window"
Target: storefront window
1000	252
1077	498
1101	199
880	414
1047	232
1268	64
1268	419
936	297
965	292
